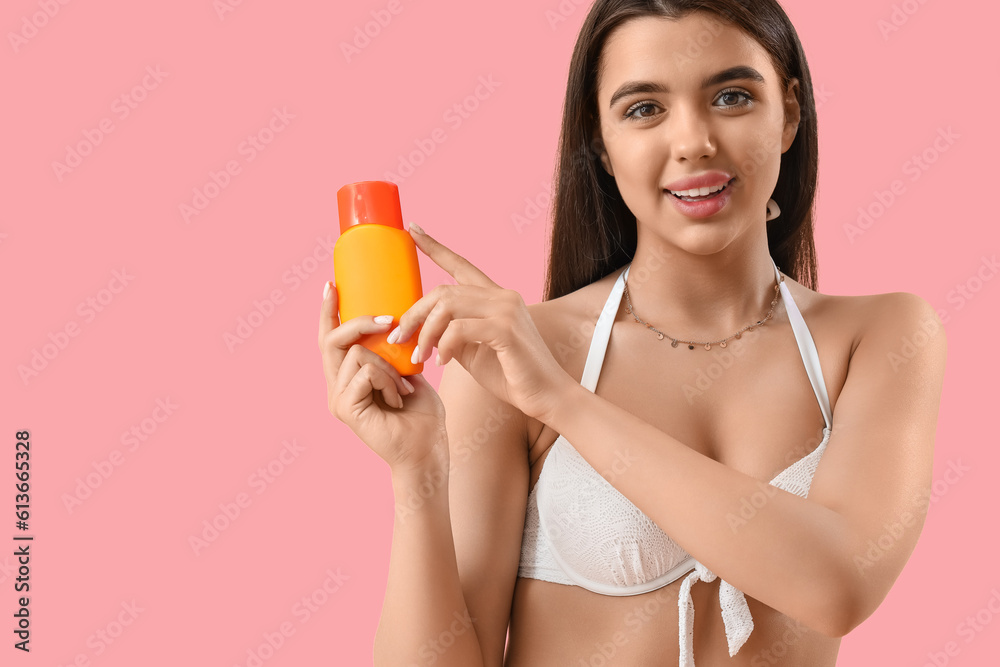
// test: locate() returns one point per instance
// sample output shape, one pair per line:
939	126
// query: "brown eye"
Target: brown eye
630	114
732	95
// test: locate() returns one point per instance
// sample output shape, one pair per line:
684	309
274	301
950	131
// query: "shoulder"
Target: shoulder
566	321
888	320
900	327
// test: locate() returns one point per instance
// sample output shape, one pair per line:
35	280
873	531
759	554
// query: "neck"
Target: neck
700	297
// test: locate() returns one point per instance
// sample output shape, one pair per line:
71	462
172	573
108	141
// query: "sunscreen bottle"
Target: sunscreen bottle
375	266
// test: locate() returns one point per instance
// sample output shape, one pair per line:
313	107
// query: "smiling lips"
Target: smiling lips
692	203
701	187
698	194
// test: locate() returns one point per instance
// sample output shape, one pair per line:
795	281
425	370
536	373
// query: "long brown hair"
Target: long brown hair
593	231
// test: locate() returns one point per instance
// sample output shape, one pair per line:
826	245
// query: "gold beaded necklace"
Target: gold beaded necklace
707	345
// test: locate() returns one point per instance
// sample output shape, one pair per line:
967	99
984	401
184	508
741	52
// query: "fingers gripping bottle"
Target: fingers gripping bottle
375	266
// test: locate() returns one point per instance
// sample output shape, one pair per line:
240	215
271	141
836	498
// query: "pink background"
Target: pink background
160	334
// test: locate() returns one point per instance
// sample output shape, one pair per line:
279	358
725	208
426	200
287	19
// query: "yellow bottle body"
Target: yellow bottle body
376	273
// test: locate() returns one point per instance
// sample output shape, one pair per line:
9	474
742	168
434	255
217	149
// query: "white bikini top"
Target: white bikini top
580	530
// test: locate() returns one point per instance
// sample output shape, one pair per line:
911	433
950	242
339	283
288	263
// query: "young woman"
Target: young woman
754	450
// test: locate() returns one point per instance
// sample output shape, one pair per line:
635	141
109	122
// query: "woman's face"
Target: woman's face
673	126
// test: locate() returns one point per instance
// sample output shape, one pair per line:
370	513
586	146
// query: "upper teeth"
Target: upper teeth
697	192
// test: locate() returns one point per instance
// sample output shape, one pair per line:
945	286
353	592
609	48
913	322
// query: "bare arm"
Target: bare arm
423	598
801	556
457	537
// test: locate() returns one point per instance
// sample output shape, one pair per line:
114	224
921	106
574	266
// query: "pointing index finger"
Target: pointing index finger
459	268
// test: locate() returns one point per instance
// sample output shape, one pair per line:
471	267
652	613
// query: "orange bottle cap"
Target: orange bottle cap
369	202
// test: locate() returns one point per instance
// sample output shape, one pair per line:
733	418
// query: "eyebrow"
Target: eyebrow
731	74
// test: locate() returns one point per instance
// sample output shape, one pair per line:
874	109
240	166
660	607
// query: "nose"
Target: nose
689	134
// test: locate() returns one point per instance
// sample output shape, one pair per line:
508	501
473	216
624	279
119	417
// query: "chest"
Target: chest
749	406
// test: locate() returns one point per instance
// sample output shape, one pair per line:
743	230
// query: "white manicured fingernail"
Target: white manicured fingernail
384	319
406	383
326	290
415	227
400	398
393	335
415	355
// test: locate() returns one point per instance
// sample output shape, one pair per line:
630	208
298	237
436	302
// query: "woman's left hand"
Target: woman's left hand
488	329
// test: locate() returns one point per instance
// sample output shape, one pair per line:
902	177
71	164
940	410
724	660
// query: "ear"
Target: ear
597	146
792	115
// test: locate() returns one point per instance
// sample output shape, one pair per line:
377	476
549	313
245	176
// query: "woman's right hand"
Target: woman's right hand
365	392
